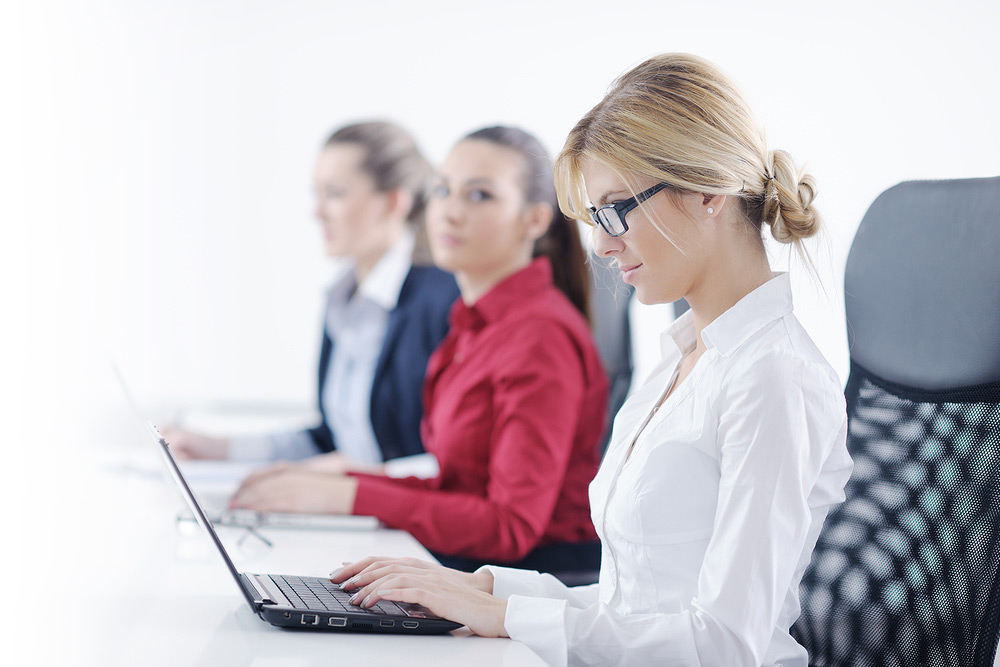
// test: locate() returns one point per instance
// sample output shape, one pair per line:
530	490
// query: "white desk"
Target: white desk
147	590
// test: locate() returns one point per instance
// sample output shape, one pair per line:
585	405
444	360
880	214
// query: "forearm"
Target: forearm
596	635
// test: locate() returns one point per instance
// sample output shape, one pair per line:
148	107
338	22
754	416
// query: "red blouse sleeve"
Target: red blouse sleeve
539	386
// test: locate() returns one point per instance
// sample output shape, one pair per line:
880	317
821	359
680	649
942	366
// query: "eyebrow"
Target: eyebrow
477	180
603	199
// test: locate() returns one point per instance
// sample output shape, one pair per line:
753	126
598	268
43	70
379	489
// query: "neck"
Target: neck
473	285
735	272
365	262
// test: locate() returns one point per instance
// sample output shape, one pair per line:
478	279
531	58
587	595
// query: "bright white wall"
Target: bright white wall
156	158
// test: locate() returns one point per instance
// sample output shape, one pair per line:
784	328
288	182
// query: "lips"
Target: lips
448	240
628	270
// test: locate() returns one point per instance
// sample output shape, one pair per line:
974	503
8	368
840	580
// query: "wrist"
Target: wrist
501	630
350	494
343	491
482	580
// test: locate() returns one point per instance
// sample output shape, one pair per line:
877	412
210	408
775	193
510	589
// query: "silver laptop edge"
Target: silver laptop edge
206	523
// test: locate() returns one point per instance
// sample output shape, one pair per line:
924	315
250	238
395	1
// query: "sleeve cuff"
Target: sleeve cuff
260	448
391	500
424	466
509	581
540	624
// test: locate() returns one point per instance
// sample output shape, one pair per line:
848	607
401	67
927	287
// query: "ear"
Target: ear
399	201
537	218
711	206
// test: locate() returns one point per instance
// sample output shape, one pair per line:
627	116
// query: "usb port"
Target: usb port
387	623
410	624
337	622
310	619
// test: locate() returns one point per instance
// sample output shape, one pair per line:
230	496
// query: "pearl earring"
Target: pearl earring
711	210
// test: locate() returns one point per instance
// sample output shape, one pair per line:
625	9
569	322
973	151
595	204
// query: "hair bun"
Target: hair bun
788	197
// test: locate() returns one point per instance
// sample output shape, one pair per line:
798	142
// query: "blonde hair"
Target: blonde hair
677	118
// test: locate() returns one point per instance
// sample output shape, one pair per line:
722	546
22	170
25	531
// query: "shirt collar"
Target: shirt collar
385	281
767	303
504	296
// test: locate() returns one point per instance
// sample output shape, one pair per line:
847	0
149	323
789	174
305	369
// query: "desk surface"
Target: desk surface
145	588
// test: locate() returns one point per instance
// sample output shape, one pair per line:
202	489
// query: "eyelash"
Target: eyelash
474	196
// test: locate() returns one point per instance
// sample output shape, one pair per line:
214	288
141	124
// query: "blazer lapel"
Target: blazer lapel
393	332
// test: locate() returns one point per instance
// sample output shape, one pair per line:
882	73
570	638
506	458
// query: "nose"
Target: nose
605	245
448	209
318	210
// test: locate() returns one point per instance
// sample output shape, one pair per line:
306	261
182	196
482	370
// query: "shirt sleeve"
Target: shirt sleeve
538	389
508	581
278	446
778	422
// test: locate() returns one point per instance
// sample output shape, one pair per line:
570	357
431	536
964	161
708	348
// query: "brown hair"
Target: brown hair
393	160
679	119
561	243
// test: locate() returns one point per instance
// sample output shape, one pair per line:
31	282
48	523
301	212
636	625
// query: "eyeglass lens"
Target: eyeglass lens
608	218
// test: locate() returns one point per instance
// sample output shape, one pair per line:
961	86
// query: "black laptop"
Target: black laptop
313	603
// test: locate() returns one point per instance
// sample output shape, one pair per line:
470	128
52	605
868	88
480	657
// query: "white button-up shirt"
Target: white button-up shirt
709	522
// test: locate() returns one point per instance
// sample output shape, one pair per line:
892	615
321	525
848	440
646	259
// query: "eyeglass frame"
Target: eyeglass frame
623	207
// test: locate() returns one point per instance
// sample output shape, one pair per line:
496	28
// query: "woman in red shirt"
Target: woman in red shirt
515	396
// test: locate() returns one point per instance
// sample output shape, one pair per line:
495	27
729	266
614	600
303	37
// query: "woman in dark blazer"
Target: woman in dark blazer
386	311
417	324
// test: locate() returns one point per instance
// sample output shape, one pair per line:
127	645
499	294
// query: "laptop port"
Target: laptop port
338	622
387	623
310	619
410	624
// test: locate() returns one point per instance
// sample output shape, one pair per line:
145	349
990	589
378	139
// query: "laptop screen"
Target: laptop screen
199	514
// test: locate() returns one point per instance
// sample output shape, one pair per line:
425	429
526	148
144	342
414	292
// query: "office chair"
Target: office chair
905	572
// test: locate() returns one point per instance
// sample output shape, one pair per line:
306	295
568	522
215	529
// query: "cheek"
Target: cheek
434	214
500	224
334	211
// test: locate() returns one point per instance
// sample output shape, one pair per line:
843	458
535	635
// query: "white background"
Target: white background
156	157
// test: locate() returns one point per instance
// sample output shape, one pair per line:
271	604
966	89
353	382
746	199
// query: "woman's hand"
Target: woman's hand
290	488
462	597
188	445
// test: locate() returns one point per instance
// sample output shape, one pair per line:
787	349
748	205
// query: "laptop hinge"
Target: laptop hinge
259	591
269	593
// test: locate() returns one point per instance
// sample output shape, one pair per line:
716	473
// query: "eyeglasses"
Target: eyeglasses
611	217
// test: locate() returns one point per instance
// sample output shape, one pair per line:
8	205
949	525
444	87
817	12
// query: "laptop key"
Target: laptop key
388	607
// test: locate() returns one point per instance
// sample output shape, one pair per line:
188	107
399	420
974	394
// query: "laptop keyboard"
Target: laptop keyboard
316	593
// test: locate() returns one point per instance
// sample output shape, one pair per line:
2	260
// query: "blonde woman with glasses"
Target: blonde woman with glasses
723	466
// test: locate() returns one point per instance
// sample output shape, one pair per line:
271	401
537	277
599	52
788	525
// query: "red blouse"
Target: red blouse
515	400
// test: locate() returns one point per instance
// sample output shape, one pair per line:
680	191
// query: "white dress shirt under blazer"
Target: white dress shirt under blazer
357	317
708	524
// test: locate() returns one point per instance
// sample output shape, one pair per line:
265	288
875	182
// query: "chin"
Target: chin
644	296
335	251
443	259
651	297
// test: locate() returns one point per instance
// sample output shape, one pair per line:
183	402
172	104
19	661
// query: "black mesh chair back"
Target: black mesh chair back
905	572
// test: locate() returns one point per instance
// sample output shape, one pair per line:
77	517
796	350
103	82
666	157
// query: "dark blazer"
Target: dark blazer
416	325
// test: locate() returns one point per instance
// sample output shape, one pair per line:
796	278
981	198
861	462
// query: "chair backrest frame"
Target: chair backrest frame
907	570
